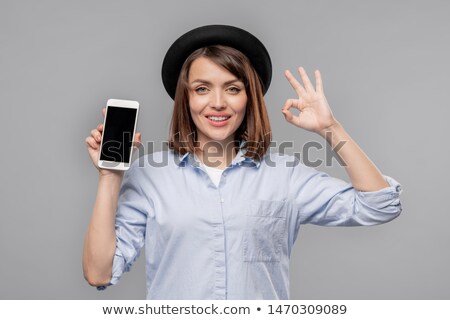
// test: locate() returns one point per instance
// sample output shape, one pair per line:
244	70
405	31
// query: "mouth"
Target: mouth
218	118
218	121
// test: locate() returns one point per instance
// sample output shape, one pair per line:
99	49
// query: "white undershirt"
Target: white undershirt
214	173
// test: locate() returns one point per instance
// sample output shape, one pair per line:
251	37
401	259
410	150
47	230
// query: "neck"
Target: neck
217	154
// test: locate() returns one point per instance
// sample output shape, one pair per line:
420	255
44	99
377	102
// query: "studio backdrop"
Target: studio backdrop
385	70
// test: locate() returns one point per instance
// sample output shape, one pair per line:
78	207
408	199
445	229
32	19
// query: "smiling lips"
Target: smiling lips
218	120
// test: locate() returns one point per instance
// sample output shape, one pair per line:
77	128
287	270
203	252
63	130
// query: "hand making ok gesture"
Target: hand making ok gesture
315	113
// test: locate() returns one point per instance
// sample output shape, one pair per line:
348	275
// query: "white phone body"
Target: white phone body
119	127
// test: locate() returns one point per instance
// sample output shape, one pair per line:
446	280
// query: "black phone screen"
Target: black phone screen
118	134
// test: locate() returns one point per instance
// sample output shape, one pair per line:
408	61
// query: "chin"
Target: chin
218	137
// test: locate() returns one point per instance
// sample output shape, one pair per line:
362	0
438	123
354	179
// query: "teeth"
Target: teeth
218	118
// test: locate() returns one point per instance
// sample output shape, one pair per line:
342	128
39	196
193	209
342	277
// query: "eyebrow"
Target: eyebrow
209	82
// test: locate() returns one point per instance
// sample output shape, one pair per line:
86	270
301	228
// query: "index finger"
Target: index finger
294	83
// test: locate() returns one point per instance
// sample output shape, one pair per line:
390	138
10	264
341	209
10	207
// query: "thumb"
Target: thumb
287	115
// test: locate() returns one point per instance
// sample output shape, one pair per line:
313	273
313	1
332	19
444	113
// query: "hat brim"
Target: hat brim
209	35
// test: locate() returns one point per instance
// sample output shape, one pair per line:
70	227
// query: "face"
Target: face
217	101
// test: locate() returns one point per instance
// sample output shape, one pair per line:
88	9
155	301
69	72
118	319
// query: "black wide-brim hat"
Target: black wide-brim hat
209	35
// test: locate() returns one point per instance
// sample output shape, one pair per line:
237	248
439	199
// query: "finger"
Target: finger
294	83
96	135
293	103
138	137
305	79
91	142
137	140
290	103
104	111
287	115
319	83
100	127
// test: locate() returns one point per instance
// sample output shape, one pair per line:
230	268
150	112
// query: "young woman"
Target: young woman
219	219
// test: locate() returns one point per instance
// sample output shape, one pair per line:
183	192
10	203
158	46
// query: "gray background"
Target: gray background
385	69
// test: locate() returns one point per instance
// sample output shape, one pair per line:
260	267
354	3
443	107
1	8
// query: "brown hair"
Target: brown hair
255	128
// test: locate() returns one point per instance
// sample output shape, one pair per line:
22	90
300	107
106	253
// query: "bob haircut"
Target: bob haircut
255	128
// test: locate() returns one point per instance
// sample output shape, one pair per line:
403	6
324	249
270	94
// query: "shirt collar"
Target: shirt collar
240	159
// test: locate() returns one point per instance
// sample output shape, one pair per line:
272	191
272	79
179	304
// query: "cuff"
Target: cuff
118	268
386	195
377	207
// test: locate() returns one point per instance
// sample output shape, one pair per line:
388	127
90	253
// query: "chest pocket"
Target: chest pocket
265	231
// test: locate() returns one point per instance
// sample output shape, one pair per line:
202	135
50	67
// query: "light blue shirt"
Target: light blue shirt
232	241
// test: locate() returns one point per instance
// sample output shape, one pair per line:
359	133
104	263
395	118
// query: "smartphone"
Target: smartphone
119	128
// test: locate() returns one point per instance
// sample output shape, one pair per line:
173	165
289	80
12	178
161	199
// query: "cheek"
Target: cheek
242	107
193	107
241	118
196	105
195	115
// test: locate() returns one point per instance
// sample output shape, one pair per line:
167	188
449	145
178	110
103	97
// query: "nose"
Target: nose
218	101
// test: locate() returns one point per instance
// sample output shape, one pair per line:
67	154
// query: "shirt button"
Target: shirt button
222	200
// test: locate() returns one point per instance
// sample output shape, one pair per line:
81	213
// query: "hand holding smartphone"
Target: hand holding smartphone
119	127
110	145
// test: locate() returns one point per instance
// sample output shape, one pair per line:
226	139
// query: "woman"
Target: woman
220	219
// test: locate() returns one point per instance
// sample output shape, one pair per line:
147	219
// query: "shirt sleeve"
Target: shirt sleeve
131	219
327	201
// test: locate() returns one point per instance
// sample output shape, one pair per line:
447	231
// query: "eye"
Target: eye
234	90
201	89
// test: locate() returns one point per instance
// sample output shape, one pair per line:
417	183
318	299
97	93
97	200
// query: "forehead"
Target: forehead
205	69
